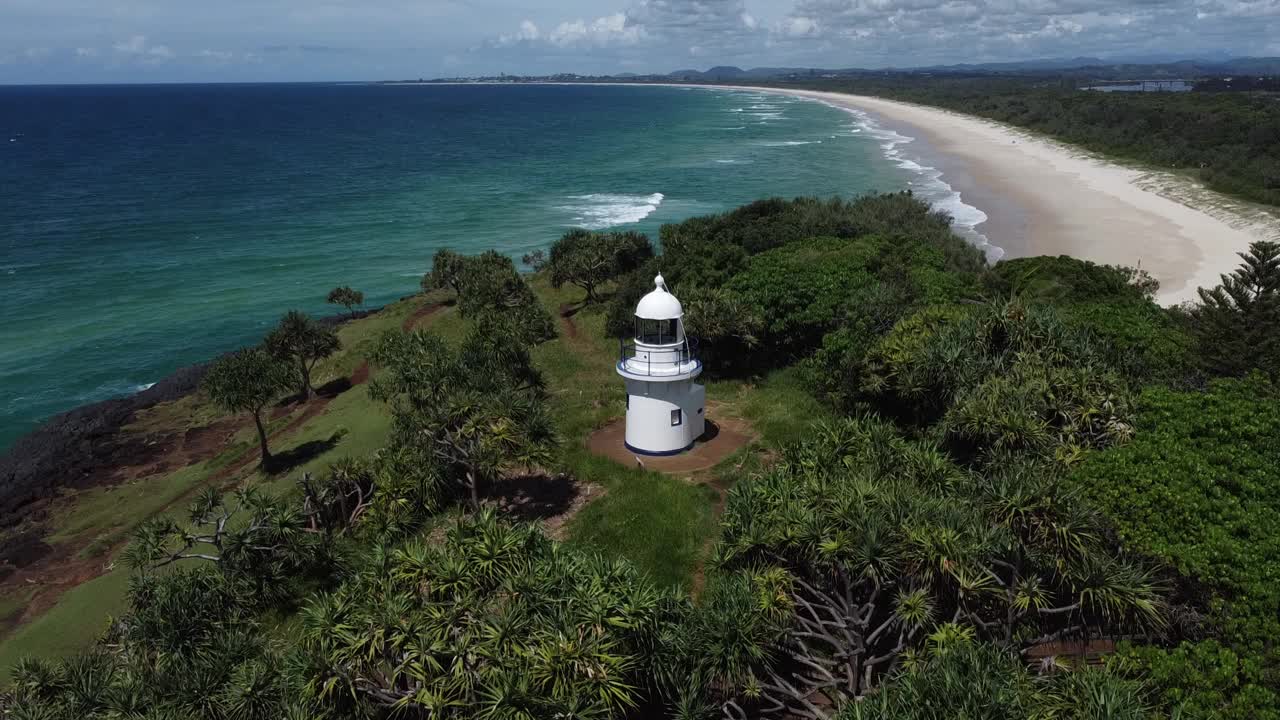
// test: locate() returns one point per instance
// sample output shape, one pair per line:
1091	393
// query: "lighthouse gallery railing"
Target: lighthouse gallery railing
671	362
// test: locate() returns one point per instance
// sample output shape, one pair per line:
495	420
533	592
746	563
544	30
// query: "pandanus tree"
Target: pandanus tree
248	381
494	621
254	538
859	547
1006	376
188	648
474	412
302	342
446	271
488	286
961	678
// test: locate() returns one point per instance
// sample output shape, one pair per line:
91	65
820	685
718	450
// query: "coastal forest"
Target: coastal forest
1228	140
964	491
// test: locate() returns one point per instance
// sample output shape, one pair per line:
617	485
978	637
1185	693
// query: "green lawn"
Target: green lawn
78	619
662	524
112	512
102	517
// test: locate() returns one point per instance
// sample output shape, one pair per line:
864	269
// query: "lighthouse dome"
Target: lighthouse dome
659	304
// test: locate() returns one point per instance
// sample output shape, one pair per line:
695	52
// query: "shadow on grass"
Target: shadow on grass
533	497
334	388
287	460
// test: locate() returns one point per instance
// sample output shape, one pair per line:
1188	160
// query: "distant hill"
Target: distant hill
1132	67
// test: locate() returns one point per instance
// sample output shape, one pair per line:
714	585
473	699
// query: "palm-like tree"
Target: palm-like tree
877	551
497	619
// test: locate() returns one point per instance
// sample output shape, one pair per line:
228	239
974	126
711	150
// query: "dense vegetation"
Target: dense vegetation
1230	140
1024	464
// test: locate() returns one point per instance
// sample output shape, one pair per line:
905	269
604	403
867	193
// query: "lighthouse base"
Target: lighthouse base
664	418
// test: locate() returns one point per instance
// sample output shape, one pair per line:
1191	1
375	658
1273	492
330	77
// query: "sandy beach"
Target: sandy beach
1046	198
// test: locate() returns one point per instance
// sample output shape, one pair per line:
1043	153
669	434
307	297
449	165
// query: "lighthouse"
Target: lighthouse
665	407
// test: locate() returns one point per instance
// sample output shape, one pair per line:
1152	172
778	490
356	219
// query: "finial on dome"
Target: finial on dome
660	283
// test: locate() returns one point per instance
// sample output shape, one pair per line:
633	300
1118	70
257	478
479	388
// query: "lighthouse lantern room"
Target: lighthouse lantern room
665	407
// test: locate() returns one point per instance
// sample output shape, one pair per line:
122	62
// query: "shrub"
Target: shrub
1199	488
1065	279
859	551
1205	680
495	619
803	289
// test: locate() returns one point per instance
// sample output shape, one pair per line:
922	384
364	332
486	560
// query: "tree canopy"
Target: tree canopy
248	381
474	411
302	342
589	259
1237	323
346	297
1024	467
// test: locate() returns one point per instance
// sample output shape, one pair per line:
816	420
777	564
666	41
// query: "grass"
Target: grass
779	406
102	517
114	511
78	619
662	524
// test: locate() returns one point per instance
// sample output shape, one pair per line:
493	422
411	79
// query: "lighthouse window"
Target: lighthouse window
656	332
677	418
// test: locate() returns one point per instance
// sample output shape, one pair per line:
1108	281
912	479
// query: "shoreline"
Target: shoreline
1043	197
68	448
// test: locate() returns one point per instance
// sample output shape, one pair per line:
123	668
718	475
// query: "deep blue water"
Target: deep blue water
145	228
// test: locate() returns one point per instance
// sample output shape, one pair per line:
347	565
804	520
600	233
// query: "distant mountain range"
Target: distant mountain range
1150	66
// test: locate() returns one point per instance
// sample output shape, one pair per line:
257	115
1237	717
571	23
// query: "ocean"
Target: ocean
143	228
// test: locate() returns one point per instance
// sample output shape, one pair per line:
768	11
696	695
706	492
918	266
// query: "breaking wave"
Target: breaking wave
605	210
937	192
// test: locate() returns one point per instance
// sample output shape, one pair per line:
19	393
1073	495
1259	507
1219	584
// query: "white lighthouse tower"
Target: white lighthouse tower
664	405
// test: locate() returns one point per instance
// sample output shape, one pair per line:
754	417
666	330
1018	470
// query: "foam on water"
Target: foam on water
598	211
790	143
965	218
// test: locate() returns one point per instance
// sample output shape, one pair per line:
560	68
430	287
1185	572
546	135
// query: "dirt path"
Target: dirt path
62	569
421	314
567	311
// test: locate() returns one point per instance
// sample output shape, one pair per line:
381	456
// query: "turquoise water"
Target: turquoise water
145	228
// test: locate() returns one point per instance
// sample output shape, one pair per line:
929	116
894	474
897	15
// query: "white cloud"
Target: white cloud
343	39
919	32
717	29
601	32
798	26
135	45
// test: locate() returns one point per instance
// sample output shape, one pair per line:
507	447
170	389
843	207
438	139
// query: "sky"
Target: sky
286	40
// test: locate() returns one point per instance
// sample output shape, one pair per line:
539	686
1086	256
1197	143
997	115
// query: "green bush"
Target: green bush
1199	488
710	250
1065	279
803	289
1140	339
979	682
996	378
1203	680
